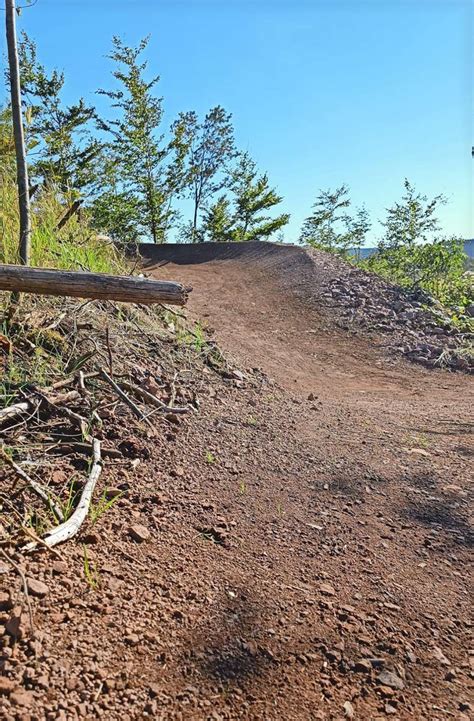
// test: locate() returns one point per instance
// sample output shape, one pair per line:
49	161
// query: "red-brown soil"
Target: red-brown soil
310	536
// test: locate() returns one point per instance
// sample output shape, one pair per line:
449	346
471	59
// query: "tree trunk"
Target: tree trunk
21	166
195	217
100	286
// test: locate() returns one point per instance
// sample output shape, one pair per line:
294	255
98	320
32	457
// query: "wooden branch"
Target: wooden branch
150	398
99	286
69	213
122	395
74	417
37	487
17	409
70	528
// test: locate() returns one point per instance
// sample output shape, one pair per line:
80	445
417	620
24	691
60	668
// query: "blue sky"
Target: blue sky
322	92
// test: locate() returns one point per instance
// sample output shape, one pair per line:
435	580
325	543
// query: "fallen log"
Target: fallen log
99	286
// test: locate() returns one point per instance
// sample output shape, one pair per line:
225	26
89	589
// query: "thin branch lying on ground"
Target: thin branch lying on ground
122	395
70	528
146	396
34	485
15	410
77	419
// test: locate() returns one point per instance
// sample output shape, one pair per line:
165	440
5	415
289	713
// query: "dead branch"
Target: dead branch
69	213
46	281
77	420
150	398
17	409
40	490
70	528
122	395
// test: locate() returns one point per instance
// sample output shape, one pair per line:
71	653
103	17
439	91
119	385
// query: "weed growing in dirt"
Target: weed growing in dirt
210	457
67	506
279	509
98	509
91	572
242	487
421	440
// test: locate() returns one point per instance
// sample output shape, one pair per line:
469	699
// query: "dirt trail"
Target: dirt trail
377	463
260	303
310	535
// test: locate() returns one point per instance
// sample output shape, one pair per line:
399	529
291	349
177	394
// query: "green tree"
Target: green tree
218	223
413	220
331	227
413	254
208	147
62	151
138	148
253	196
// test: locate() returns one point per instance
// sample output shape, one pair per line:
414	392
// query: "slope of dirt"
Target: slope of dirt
309	539
408	323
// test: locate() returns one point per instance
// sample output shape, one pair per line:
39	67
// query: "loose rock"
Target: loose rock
139	533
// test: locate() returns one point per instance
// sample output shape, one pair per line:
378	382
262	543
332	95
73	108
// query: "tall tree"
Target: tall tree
413	219
138	147
20	149
320	228
331	227
59	138
253	196
210	146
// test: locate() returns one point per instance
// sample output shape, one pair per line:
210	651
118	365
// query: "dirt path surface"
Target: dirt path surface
310	535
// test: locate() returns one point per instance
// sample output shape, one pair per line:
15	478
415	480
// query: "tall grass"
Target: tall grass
75	247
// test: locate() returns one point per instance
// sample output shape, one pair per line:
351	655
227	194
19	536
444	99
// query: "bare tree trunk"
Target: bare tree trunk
21	166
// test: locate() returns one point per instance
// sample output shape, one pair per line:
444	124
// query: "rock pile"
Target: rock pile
410	322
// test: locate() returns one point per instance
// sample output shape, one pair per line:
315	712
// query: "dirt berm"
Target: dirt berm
401	322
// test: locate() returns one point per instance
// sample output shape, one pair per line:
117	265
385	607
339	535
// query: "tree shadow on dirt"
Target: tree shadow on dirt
225	647
446	428
440	516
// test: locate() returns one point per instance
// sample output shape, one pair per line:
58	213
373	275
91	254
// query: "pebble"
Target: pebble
327	589
37	588
21	698
390	679
132	639
363	665
139	533
6	685
439	655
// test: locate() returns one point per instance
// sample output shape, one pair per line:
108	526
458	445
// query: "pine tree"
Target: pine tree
320	228
138	147
63	150
413	219
252	197
331	227
218	223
